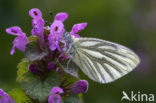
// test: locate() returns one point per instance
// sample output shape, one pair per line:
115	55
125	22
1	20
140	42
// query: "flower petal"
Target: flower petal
2	93
76	35
38	26
51	40
15	30
78	27
32	32
19	42
55	95
12	50
61	16
52	66
35	13
79	87
56	31
33	68
57	27
38	29
5	98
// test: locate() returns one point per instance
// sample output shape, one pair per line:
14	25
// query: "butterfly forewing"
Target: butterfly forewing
103	61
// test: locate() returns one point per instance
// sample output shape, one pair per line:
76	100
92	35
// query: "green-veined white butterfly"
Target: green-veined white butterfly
102	61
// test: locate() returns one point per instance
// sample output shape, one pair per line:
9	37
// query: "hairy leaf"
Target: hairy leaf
72	99
38	89
19	96
22	68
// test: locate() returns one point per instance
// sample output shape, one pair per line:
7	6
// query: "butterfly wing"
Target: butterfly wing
103	61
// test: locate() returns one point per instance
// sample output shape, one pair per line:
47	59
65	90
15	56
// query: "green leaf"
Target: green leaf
22	68
34	53
19	96
36	88
72	99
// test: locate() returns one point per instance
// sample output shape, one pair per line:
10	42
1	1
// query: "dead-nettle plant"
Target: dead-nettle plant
42	72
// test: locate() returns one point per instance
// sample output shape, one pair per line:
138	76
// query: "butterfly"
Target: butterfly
102	61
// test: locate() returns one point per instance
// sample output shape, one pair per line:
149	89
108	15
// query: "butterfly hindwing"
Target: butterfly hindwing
103	61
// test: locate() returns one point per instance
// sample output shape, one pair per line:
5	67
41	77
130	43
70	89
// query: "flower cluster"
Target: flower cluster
56	31
50	50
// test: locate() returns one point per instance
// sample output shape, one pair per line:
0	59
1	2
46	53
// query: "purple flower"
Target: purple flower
33	68
38	24
20	41
55	95
5	98
52	66
56	31
76	28
35	13
79	87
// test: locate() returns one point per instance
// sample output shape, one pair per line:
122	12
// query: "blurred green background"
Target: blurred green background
128	22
